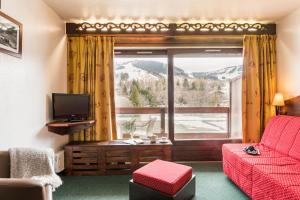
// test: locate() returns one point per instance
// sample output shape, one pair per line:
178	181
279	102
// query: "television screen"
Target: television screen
70	106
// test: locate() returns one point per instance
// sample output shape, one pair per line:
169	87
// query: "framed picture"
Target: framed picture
10	36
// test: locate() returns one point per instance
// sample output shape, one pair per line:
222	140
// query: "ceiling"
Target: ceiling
173	10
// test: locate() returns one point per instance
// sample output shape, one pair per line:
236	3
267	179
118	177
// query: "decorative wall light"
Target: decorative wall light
171	29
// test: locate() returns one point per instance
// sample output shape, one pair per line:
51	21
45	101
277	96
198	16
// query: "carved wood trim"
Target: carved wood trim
171	29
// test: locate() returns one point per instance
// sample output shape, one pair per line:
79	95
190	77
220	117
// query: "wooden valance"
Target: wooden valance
172	29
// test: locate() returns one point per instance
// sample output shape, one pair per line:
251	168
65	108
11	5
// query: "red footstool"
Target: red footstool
162	180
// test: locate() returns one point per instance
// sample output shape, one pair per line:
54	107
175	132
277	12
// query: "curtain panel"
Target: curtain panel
90	70
259	85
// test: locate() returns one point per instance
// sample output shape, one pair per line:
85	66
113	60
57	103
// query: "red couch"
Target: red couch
275	174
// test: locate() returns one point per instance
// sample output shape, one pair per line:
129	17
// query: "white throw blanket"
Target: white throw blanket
34	163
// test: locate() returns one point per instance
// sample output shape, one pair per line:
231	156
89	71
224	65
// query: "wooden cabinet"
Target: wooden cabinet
115	157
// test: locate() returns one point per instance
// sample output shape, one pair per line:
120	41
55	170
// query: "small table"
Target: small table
65	128
113	157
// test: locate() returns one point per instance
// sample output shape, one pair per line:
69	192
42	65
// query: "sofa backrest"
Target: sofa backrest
4	164
283	135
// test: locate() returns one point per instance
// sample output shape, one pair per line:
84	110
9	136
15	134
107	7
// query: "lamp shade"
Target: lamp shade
278	100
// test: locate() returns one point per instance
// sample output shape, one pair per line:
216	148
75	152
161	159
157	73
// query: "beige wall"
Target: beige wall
236	108
26	83
288	54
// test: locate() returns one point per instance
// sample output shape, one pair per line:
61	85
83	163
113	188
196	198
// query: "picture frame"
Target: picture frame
10	36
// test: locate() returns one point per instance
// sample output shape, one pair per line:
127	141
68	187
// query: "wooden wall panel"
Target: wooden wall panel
292	106
200	150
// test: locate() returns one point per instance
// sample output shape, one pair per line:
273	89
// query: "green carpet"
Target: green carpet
211	184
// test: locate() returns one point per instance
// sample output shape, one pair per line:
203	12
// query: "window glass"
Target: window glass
141	95
202	94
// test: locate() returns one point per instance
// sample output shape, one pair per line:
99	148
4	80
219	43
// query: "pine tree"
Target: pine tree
186	83
124	77
194	86
202	85
136	84
124	89
134	96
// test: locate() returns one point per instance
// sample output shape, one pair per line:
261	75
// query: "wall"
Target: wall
27	83
236	108
288	55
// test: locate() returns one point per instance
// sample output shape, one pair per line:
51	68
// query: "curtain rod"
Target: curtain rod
172	29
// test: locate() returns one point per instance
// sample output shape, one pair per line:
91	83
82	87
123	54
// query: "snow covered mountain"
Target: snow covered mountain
227	73
136	73
142	69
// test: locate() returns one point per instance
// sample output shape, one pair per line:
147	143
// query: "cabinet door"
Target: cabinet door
150	154
85	161
118	160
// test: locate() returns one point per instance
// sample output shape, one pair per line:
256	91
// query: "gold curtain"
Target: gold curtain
90	70
259	84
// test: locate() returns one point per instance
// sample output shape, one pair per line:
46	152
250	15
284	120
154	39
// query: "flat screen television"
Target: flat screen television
70	107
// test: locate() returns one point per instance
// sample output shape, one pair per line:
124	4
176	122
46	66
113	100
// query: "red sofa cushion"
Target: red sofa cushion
276	182
274	130
288	136
295	150
234	154
238	177
282	135
275	174
163	176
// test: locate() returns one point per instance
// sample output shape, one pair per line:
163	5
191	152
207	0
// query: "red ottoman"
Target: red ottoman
162	180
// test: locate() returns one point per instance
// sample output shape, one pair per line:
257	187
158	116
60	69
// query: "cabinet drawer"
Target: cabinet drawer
85	159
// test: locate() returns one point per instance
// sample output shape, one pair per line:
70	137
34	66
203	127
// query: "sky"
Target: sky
195	64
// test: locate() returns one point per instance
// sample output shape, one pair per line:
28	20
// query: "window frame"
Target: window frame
170	53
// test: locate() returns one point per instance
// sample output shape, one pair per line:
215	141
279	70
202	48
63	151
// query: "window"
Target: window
202	94
199	86
141	86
